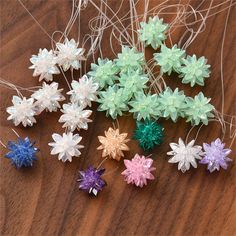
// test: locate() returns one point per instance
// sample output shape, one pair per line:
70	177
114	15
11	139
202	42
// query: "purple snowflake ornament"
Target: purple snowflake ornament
215	155
90	180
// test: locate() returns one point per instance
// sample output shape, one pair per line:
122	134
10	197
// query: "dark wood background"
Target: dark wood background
45	200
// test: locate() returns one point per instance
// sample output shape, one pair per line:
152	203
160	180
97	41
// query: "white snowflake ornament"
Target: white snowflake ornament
84	91
185	154
48	97
66	146
69	55
22	111
75	117
44	64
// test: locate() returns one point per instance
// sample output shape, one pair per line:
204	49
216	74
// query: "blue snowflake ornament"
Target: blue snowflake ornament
22	153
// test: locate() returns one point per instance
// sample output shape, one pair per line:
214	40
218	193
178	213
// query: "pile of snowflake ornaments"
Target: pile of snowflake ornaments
118	86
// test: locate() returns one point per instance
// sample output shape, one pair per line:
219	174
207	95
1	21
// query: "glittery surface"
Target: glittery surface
113	144
22	111
170	59
69	55
185	154
215	155
44	64
22	153
149	134
138	170
90	180
66	146
153	32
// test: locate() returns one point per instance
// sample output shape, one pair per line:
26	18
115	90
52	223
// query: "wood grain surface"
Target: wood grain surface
45	200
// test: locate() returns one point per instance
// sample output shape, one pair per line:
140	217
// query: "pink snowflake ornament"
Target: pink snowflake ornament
138	170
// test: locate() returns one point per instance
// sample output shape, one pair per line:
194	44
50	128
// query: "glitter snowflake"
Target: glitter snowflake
113	144
171	104
130	59
75	117
104	72
66	146
84	91
22	153
144	106
22	111
185	154
44	64
69	55
138	170
149	134
153	32
215	156
194	70
133	81
113	101
198	109
48	97
170	59
90	180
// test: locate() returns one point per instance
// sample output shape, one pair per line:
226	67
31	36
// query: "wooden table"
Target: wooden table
45	200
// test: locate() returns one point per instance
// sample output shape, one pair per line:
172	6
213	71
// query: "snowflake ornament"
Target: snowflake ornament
133	81
75	117
138	170
84	91
22	153
44	64
113	144
194	71
153	32
22	111
69	55
104	72
144	106
129	58
185	154
170	59
198	109
149	134
171	104
90	180
48	97
215	156
66	146
114	101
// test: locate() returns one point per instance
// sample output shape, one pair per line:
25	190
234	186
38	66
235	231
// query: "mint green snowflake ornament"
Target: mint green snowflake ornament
104	72
153	32
133	81
198	109
129	59
149	134
144	106
194	71
113	101
170	59
172	104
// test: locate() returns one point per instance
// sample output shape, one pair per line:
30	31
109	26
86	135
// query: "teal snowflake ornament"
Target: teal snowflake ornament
104	72
170	59
133	81
129	58
194	71
198	109
172	104
149	134
113	101
144	106
153	32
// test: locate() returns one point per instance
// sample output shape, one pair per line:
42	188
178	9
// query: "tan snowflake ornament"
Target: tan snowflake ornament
113	144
